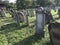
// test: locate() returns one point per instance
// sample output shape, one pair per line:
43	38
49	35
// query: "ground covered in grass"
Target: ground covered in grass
11	34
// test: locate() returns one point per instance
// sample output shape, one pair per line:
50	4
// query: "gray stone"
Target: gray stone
54	32
26	16
3	13
40	20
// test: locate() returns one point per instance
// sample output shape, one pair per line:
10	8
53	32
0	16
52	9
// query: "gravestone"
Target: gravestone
17	18
40	20
21	16
12	13
26	16
27	10
59	12
27	22
47	21
54	7
31	12
3	13
0	13
48	17
54	32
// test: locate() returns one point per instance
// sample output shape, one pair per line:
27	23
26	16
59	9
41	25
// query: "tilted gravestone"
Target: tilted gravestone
40	20
54	32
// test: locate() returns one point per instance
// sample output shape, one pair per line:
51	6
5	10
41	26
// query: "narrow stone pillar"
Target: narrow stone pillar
40	20
17	18
59	13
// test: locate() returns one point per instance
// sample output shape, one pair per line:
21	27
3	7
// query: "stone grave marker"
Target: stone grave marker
48	17
12	13
59	12
3	12
40	20
26	16
31	12
17	18
0	13
54	32
21	16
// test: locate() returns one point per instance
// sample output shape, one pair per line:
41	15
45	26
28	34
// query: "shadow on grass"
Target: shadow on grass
32	26
48	43
54	14
11	27
33	21
29	41
57	18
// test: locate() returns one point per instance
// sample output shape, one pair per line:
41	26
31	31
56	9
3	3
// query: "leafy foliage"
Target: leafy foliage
22	4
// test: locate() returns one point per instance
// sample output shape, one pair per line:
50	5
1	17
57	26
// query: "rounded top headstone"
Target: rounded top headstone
40	9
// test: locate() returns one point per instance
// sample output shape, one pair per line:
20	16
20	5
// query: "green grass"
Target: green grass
11	34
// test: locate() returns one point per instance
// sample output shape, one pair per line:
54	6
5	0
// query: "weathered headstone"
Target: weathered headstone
0	13
54	7
17	18
54	32
21	16
59	12
26	17
31	12
48	17
40	20
27	22
12	13
3	13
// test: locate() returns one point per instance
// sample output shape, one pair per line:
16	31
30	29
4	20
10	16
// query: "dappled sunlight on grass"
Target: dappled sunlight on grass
11	34
8	15
22	35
